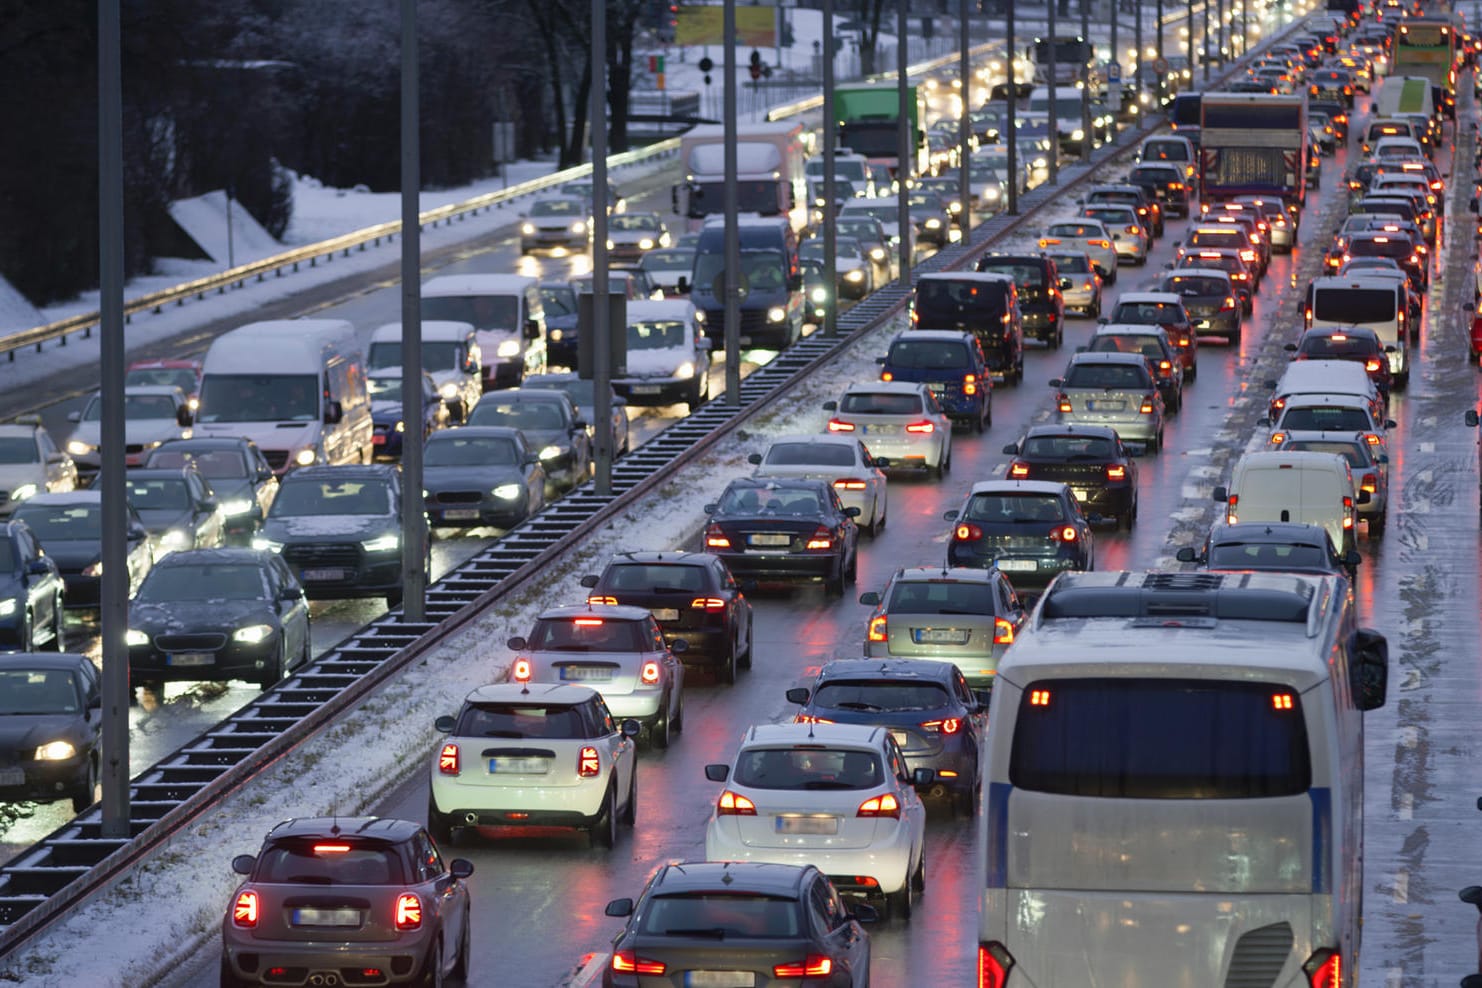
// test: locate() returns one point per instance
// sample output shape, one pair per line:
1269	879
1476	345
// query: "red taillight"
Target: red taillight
649	676
1372	365
1165	368
879	628
1372	438
1103	244
969	384
949	725
1003	632
1347	512
1370	483
1324	969
521	672
967	533
994	965
1018	469
595	599
708	604
588	762
715	538
1147	406
408	912
835	425
1132	229
884	804
1064	533
850	484
244	910
821	539
812	966
1115	471
447	760
921	428
734	804
627	962
1062	403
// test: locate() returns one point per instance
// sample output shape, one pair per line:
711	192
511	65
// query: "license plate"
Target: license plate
378	440
1105	406
881	430
746	341
1079	493
585	674
940	636
308	916
807	824
665	614
191	659
461	514
719	979
12	776
320	575
646	389
520	766
1202	324
1017	565
937	389
901	738
774	540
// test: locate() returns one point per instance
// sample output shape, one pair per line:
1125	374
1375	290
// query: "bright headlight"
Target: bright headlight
175	538
55	751
877	253
992	192
252	634
933	224
22	492
509	348
647	243
686	369
855	275
550	452
135	637
1078	135
401	427
449	390
776	314
699	315
7	608
93	569
578	227
79	448
527	228
306	457
237	506
382	543
610	245
820	295
261	543
507	492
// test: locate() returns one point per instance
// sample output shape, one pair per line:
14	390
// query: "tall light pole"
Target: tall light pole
1087	138
1011	180
413	516
830	184
1161	65
964	122
905	142
602	327
1138	81
1050	88
732	276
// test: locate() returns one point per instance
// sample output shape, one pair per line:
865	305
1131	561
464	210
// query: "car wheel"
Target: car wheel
1129	517
746	662
228	979
1095	309
879	525
273	675
678	727
1192	372
918	880
1111	279
603	832
460	965
432	968
726	672
658	731
1376	525
852	573
978	423
833	585
59	622
900	904
630	810
965	804
82	797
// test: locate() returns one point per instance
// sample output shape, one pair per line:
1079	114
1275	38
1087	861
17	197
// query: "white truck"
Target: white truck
769	170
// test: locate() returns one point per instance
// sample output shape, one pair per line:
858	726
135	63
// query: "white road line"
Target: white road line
1405	808
1402	887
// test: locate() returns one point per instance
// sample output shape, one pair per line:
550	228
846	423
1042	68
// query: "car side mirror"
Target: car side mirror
923	776
717	773
1271	385
709	509
878	360
38	567
853	512
532	329
795	283
1471	895
1220	494
631	728
1289	347
1066	284
460	868
334	412
950	515
1472	206
862	912
1011	449
577	426
243	864
1471	418
290	595
183	416
869	598
1369	665
1362	497
265	474
682	285
831	406
55	458
798	695
517	642
1186	554
755	459
445	724
1057	382
589	581
1352	558
619	908
1390	424
883	462
74	416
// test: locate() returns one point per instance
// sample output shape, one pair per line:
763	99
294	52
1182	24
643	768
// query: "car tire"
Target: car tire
852	573
603	832
726	672
879	523
439	825
432	967
1192	372
658	731
461	965
59	626
273	675
965	804
1110	279
82	797
1377	524
27	637
900	905
630	808
228	979
978	422
1094	310
833	586
1128	518
746	662
678	720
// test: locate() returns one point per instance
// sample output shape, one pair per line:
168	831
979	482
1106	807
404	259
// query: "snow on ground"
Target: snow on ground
16	313
224	229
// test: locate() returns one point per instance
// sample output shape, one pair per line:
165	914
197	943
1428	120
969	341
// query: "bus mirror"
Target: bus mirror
1369	665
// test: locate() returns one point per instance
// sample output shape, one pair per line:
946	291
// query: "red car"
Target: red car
182	374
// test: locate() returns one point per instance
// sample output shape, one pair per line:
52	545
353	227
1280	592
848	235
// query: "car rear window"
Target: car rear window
1072	263
806	767
1266	555
328	861
521	720
1111	376
1195	286
1014	508
1160	739
672	577
1343	345
589	634
940	597
1218	238
928	355
1357	455
941	298
1324	418
809	454
875	403
873	695
1088	448
1025	275
723	915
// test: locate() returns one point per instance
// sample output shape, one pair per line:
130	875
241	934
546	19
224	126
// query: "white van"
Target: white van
506	312
296	387
1278	485
1342	378
450	353
1174	784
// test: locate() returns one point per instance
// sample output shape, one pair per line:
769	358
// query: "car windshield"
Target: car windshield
941	597
1014	508
770	501
859	228
436	354
1070	447
668	259
579	391
1357	454
559	207
203	581
877	403
214	464
764	269
1324	418
723	915
19	449
908	354
259	398
538	416
810	454
183	378
656	578
452	450
55	522
485	312
880	695
656	334
164	494
1268	555
808	767
136	407
38	691
634	222
340	861
308	497
521	720
590	634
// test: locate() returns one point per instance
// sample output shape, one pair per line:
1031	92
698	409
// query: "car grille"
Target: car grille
277	458
329	554
752	320
457	497
189	643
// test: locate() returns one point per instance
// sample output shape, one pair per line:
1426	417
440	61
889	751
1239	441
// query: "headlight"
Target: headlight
261	543
1078	135
527	228
877	253
646	243
134	637
776	314
7	608
992	192
556	335
550	452
93	569
449	390
382	543
933	224
252	634
79	448
22	492
175	538
610	245
55	751
401	427
955	207
686	369
509	348
306	457
507	492
237	506
855	276
699	315
578	227
820	295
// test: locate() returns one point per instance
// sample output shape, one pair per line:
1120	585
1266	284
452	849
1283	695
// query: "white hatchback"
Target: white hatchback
838	459
837	796
899	420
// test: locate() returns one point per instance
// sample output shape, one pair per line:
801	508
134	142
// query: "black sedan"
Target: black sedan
552	426
1091	459
218	614
692	596
926	705
771	923
30	591
178	508
784	529
1284	547
385	387
70	529
237	471
1032	530
50	725
481	475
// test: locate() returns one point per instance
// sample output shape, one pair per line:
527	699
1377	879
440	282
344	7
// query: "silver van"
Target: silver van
507	314
450	353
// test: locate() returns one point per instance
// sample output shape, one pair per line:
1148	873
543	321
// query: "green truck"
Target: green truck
868	116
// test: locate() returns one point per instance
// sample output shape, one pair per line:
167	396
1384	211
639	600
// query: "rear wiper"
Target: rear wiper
504	734
825	784
668	590
858	705
709	931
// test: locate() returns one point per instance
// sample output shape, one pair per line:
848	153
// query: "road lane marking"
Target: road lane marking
1402	887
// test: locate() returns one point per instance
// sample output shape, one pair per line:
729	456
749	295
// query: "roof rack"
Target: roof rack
1194	597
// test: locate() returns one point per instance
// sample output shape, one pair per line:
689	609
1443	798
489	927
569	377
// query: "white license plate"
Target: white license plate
1080	493
585	674
719	979
940	636
901	738
309	916
881	430
774	540
665	614
520	766
12	776
1017	565
319	575
191	659
806	824
646	389
461	514
1202	324
1105	406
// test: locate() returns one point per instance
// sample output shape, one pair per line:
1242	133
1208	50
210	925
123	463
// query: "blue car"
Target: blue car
559	299
926	705
384	386
951	364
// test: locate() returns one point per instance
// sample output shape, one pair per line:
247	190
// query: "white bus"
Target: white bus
1174	784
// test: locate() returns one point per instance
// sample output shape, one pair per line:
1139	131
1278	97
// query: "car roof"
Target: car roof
828	438
1130	329
990	277
1070	429
905	669
662	558
1219	273
564	693
824	735
335	828
896	387
221	554
1167	298
433	330
1019	486
90	496
1106	357
612	612
934	335
18	429
780	880
941	574
1324	436
780	483
352	471
41	660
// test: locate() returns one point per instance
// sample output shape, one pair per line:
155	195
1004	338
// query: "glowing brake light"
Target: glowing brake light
588	763
1372	365
883	805
734	804
627	962
1039	698
812	966
1018	469
708	604
1147	406
921	428
949	725
1003	631
1370	483
1228	304
967	533
880	628
447	760
715	538
1372	438
649	675
1324	969
598	599
521	672
1063	533
994	965
408	911
244	910
588	622
331	848
887	376
1281	701
849	484
1116	471
969	384
1062	404
1347	511
835	425
1132	229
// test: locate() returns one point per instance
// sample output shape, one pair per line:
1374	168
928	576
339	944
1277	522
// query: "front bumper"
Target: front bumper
234	660
490	511
653	391
372	576
45	781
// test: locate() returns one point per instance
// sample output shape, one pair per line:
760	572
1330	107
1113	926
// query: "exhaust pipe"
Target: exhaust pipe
937	791
471	818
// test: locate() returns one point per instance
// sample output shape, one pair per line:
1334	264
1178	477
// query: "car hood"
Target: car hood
199	615
386	412
74	553
308	528
24	733
136	431
462	477
158	520
561	322
657	363
13	475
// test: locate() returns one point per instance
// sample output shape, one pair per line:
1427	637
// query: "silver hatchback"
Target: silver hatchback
1114	389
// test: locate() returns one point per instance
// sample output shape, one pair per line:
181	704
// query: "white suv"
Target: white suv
837	796
534	756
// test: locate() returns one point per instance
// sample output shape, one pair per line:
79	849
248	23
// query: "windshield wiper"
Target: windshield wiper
717	932
858	705
825	784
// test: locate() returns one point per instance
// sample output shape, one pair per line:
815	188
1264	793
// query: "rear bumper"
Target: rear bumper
400	963
1045	568
806	566
556	806
885	861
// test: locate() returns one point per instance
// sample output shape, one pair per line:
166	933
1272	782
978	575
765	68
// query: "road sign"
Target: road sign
1114	72
1160	65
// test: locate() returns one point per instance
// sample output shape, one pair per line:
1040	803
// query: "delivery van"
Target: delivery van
1280	485
507	313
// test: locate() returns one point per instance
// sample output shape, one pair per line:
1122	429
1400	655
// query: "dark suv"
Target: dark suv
1165	182
1040	304
30	592
951	364
984	304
